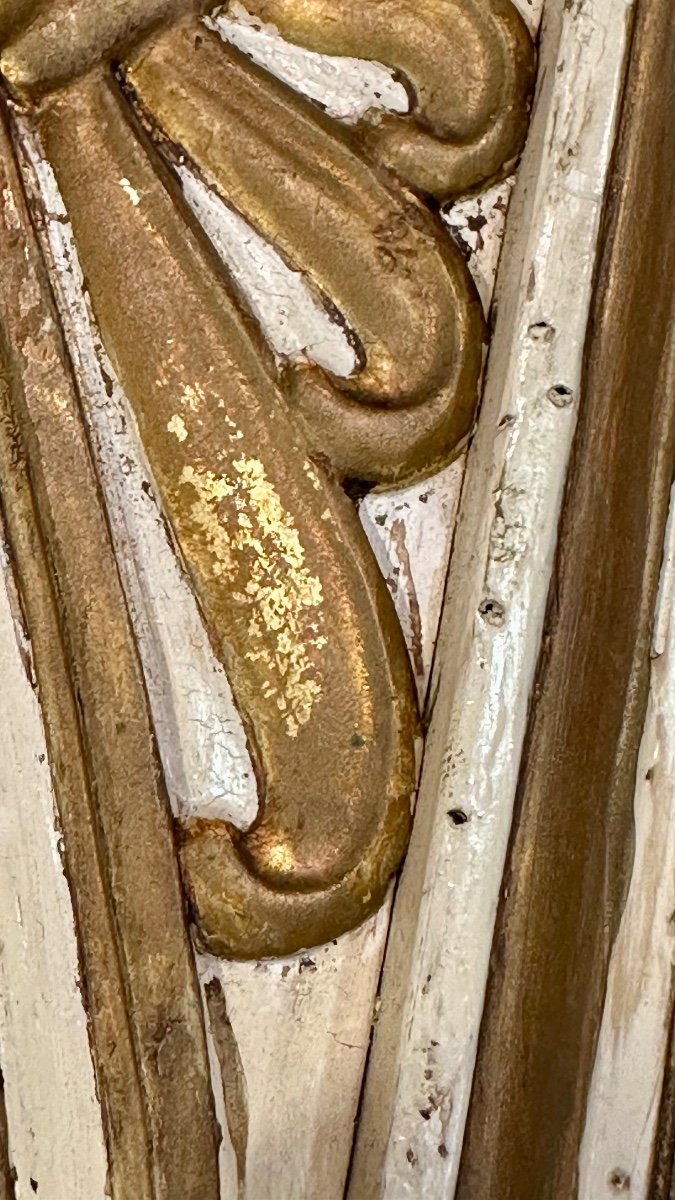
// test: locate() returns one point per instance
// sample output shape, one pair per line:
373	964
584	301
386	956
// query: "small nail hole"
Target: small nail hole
619	1180
492	612
560	395
457	816
541	331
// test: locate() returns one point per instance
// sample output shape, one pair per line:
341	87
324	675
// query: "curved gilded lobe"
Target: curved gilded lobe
142	997
469	67
290	592
402	287
65	38
468	64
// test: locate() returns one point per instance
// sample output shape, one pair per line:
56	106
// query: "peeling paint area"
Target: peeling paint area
345	87
130	191
476	226
411	532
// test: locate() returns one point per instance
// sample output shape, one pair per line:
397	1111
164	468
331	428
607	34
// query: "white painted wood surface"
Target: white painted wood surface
420	1074
53	1115
625	1092
345	87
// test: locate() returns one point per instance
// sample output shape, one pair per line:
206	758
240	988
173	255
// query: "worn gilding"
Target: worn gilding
468	65
140	986
247	468
290	594
294	603
399	283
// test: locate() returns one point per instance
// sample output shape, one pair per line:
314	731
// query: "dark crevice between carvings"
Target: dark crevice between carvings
235	1093
7	1171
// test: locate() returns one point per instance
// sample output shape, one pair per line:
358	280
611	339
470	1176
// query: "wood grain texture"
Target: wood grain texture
571	853
625	1093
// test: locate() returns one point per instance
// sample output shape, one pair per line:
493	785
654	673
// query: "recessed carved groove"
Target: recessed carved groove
235	1095
7	1189
142	993
401	285
290	593
469	65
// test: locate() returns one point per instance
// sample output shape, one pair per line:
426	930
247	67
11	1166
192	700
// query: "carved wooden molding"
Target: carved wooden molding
571	855
246	477
179	516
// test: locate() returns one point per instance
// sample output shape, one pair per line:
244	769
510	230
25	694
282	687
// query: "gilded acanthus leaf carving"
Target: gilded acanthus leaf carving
284	578
292	599
468	67
373	251
247	465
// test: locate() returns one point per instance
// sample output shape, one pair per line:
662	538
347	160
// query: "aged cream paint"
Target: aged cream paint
53	1116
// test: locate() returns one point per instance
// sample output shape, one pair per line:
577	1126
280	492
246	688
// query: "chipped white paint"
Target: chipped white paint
199	732
53	1116
420	1074
344	87
130	191
477	226
303	1027
294	321
625	1092
411	531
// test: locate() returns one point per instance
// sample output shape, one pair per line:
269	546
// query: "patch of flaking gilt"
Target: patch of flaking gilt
280	588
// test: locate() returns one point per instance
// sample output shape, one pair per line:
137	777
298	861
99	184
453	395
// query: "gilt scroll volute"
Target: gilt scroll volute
249	462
